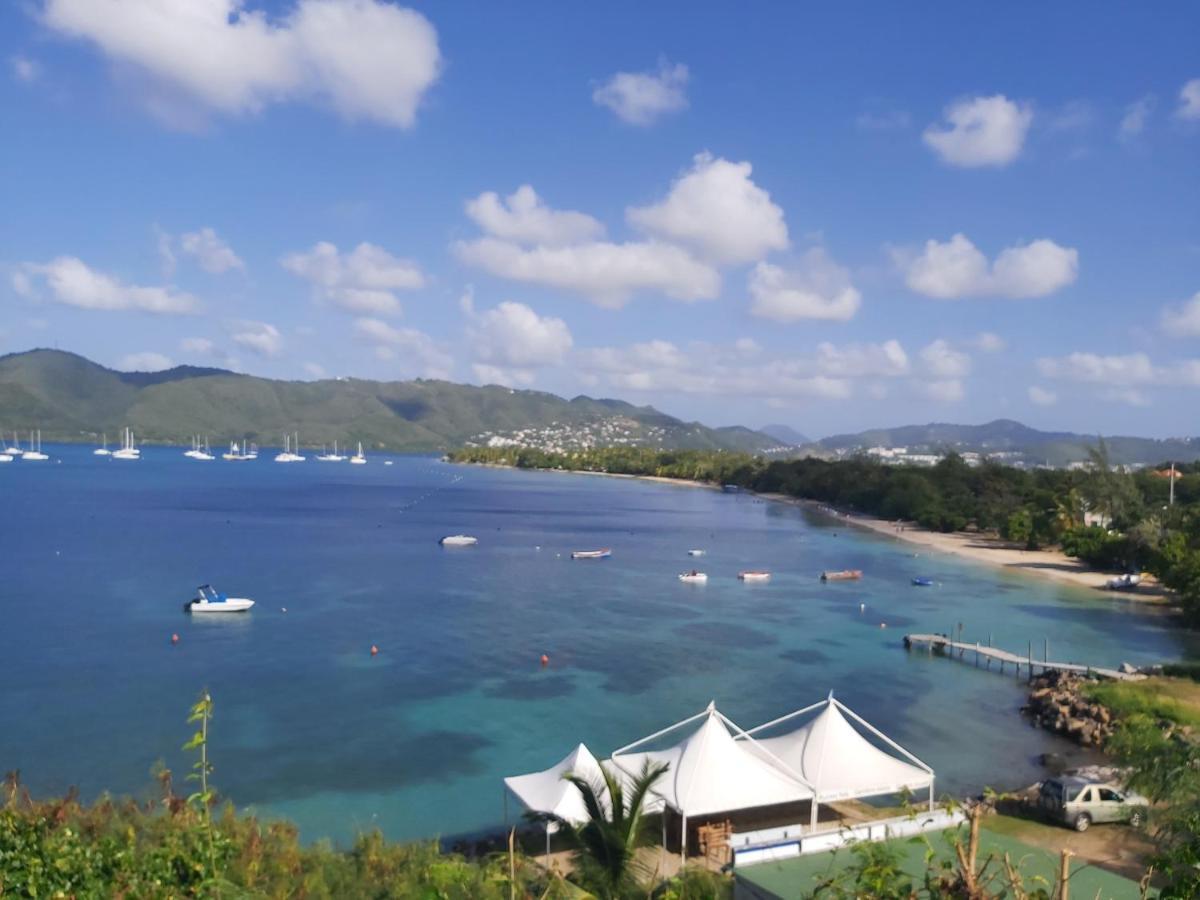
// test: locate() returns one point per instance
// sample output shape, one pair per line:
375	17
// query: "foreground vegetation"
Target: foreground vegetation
1110	519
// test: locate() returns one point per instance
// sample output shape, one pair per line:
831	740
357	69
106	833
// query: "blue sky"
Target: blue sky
835	218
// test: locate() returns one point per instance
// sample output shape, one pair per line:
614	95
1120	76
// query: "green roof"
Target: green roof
795	879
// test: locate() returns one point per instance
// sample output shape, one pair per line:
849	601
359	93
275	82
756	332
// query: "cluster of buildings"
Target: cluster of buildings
562	437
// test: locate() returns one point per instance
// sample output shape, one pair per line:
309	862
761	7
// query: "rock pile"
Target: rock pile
1057	703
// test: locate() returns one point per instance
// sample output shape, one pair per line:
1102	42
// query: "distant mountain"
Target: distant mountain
1005	435
71	398
785	433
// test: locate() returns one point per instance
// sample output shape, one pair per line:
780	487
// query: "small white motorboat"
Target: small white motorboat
5	457
1124	582
693	577
696	552
358	459
459	540
209	600
752	575
591	554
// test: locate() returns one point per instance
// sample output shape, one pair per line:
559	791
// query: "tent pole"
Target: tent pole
547	842
683	842
931	795
812	825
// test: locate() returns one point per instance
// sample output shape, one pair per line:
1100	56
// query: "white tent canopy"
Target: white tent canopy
549	792
711	773
829	753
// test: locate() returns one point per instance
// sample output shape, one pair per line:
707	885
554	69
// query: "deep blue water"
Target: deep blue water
97	557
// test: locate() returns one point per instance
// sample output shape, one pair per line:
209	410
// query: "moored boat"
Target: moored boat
34	453
209	600
842	575
754	575
591	554
693	577
102	450
1124	582
696	552
358	459
128	449
922	582
458	540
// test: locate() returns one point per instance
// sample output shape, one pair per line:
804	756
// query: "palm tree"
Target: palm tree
606	844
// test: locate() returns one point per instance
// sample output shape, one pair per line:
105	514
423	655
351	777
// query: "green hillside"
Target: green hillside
71	398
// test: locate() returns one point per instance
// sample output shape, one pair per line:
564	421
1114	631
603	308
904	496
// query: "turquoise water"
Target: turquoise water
99	555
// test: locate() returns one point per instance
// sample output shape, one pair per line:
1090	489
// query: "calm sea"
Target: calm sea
99	555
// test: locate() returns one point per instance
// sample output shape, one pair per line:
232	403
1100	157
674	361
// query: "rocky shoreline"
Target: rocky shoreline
1057	703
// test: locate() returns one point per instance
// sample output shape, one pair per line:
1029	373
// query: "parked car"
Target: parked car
1080	802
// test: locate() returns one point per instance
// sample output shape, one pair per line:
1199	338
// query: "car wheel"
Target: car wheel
1082	822
1135	819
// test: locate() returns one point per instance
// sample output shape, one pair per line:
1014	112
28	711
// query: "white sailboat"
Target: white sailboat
34	453
102	450
288	455
358	459
331	457
13	449
128	449
203	454
237	453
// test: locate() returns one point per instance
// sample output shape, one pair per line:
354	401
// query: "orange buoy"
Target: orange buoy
174	639
374	650
545	660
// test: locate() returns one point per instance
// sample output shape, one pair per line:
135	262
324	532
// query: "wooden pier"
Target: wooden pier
987	654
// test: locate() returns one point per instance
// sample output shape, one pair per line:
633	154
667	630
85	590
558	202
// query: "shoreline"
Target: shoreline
1053	565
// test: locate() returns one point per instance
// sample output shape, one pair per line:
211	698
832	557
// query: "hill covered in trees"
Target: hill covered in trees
71	398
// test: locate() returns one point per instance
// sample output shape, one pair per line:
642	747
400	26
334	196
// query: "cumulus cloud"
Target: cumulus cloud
641	98
314	370
739	370
523	218
818	288
1183	320
147	361
1121	371
511	340
943	361
71	281
981	131
198	346
363	280
367	59
25	69
607	273
259	337
956	268
989	342
1189	101
210	252
717	209
1039	396
945	390
419	353
1133	122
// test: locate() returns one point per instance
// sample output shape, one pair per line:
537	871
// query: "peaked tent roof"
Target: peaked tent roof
710	772
548	792
834	756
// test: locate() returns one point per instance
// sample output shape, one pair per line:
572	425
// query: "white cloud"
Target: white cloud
1121	371
514	335
607	273
947	390
818	288
368	59
943	361
147	361
718	210
210	252
989	342
363	280
640	98
1039	396
1183	320
1189	101
25	69
166	251
860	360
421	353
1128	396
198	346
522	217
314	370
1136	115
982	131
956	268
260	337
72	282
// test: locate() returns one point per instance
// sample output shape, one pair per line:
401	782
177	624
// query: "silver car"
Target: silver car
1079	802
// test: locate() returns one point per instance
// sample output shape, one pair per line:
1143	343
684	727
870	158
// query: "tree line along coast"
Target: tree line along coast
1141	521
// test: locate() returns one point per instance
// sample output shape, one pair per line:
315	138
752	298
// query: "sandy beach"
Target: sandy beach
993	551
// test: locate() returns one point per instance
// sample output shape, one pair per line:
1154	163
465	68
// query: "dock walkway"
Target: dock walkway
947	647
